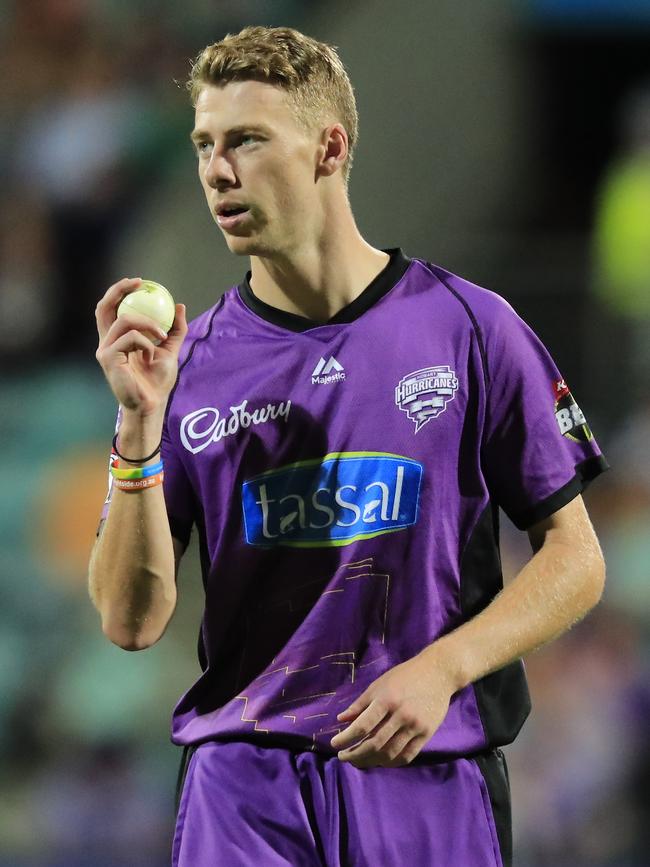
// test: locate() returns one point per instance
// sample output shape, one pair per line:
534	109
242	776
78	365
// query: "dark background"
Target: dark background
507	141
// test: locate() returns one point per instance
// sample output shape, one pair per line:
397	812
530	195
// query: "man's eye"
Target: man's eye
203	147
247	139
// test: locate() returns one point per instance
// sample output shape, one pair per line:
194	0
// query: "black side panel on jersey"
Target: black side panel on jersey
494	770
188	752
502	697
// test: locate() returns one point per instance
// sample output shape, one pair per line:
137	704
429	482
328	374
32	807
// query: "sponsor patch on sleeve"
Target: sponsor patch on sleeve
570	418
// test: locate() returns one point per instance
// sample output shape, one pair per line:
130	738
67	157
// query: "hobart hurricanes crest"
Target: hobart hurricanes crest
425	393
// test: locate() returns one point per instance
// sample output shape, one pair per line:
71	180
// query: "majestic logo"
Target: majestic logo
570	418
330	501
424	394
205	426
323	371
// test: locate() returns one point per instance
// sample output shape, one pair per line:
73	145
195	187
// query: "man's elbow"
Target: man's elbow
594	581
130	640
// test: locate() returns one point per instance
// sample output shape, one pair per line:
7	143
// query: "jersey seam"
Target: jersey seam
190	353
172	394
470	315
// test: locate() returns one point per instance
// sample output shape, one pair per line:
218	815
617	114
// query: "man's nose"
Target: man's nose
219	172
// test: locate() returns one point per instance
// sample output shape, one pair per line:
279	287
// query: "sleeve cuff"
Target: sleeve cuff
586	472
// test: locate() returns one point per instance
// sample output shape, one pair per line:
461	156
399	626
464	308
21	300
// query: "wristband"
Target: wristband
137	472
133	485
135	460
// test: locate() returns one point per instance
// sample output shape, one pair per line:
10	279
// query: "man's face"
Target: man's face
257	166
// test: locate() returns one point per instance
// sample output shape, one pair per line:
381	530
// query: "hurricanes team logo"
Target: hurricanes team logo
570	418
424	394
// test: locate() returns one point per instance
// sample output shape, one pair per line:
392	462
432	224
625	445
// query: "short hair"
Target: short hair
311	73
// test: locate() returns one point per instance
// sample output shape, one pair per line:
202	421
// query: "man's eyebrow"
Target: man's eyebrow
201	135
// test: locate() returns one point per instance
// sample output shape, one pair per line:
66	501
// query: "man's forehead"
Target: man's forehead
240	102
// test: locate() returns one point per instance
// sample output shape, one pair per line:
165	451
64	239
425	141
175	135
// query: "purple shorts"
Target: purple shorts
241	804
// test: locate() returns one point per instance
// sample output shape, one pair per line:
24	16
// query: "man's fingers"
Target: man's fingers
178	330
402	747
106	309
394	747
126	343
409	751
133	321
375	743
362	726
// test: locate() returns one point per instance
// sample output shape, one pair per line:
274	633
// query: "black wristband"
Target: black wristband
135	460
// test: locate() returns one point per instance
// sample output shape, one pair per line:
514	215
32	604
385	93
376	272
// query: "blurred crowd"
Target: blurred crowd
94	124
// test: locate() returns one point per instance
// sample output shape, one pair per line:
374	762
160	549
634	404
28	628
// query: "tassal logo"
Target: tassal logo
330	501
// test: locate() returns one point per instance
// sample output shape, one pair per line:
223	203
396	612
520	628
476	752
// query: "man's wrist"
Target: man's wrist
447	656
139	436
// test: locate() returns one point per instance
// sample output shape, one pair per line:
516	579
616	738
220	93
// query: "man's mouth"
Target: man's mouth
229	216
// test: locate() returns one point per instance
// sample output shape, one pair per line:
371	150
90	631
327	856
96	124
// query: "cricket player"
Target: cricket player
339	430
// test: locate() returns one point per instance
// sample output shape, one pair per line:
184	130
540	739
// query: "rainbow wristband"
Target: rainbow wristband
131	485
137	472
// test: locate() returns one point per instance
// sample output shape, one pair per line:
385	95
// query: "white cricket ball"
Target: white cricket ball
152	300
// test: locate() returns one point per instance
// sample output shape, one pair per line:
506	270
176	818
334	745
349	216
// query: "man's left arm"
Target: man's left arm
399	712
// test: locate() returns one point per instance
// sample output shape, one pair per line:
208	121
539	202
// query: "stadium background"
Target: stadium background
509	141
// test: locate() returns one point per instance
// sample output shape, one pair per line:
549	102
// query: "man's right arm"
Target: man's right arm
132	571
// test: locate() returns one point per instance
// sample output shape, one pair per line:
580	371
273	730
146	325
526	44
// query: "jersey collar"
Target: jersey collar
383	283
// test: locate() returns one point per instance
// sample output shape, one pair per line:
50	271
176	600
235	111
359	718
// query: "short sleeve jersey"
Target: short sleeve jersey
344	480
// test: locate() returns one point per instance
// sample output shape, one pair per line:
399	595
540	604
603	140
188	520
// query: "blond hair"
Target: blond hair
311	73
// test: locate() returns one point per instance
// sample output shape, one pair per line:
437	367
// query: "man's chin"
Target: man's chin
238	244
245	246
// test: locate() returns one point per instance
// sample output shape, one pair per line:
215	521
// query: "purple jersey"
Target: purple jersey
344	480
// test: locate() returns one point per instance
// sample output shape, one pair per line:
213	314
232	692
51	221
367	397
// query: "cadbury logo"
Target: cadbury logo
206	425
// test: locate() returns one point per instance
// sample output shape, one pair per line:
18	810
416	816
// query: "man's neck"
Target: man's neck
319	281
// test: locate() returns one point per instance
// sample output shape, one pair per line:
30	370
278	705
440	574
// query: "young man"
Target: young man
340	428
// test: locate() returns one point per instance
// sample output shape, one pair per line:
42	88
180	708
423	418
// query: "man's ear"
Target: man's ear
333	151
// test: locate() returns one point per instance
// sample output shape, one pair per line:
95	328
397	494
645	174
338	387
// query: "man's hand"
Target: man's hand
396	715
140	374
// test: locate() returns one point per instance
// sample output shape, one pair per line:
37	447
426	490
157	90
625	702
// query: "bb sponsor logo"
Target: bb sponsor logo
425	393
327	371
570	418
331	501
205	426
